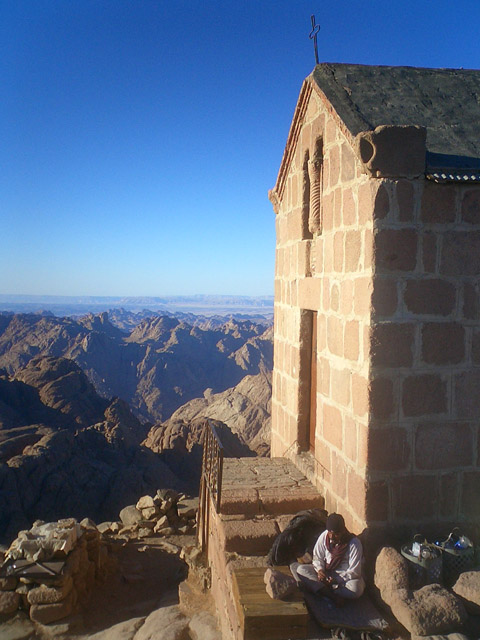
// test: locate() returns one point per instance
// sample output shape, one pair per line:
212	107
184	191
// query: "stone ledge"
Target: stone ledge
249	537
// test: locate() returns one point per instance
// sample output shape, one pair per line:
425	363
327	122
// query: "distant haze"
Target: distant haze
197	304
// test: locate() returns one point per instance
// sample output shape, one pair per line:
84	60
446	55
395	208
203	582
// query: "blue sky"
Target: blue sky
139	138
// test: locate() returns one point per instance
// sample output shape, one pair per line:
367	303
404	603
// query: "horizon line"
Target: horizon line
135	297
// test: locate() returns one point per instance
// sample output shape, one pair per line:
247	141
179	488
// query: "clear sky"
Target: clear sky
139	138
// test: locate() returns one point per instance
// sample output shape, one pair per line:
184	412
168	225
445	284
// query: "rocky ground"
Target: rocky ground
119	580
139	601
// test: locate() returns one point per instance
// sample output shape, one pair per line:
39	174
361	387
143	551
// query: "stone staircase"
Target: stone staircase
259	498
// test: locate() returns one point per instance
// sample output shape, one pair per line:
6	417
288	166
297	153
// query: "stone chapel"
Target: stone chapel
376	383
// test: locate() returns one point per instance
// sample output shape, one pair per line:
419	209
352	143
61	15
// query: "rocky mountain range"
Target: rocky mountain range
246	409
74	396
158	366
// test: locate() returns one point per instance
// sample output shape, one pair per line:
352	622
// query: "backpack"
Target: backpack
298	537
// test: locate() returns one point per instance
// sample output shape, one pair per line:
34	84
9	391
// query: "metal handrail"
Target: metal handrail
210	481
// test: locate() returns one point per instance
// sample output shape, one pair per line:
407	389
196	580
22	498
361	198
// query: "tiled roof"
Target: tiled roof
439	175
444	101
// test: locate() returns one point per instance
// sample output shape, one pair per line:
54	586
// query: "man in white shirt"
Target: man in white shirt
336	569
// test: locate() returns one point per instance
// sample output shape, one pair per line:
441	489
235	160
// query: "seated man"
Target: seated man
336	569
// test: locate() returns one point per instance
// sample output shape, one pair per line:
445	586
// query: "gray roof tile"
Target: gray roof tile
445	101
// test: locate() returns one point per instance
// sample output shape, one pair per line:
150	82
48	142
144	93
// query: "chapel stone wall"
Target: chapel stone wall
330	272
423	441
393	274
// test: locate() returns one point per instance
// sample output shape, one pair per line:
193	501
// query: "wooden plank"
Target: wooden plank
274	628
262	617
238	606
258	611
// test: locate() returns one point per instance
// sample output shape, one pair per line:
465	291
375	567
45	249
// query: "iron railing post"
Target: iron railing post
210	482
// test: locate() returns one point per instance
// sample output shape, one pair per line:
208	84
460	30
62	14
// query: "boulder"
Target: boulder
164	505
430	610
129	531
166	623
170	548
9	583
144	533
23	589
130	515
278	585
149	512
122	631
9	602
166	496
18	627
105	527
47	613
184	530
467	587
434	610
187	508
193	556
391	574
50	595
203	626
87	523
145	502
391	580
162	523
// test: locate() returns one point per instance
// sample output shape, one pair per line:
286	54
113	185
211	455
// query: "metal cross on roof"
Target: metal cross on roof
313	36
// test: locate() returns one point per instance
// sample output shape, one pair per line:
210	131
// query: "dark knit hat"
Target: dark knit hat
335	523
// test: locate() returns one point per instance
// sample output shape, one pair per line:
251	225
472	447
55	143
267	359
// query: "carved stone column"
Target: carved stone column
315	175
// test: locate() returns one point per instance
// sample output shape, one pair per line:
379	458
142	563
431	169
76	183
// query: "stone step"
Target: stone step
248	537
266	486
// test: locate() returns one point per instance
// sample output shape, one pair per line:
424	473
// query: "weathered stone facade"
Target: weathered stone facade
389	263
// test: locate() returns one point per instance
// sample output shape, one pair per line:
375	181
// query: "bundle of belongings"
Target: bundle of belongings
298	538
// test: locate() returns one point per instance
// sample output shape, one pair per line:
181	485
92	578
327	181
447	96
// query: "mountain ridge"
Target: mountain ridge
70	444
156	367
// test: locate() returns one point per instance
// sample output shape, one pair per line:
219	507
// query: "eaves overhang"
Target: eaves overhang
442	168
276	194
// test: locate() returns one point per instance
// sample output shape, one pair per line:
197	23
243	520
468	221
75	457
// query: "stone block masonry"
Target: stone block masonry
259	497
393	276
70	557
432	400
330	273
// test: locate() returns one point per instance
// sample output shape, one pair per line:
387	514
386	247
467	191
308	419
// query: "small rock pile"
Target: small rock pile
165	514
50	570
